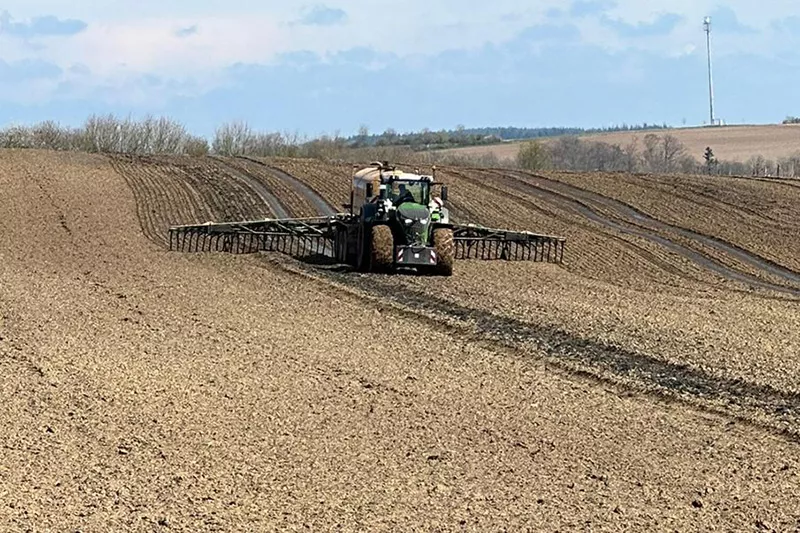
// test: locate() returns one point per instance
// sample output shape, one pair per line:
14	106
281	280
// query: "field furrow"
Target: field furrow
626	389
292	204
597	250
175	192
707	252
149	206
330	181
757	216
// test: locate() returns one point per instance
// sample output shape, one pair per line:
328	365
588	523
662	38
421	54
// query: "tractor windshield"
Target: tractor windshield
409	191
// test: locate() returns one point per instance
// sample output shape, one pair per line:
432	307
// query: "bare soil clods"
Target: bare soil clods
148	390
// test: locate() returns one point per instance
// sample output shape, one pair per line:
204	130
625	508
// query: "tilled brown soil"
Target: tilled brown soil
759	215
148	390
608	240
645	314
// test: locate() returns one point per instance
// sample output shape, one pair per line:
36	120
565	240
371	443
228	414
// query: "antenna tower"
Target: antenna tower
707	28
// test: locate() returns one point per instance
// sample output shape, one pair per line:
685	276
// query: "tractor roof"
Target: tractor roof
373	173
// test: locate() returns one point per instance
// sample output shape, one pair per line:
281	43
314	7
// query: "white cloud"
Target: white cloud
124	41
152	46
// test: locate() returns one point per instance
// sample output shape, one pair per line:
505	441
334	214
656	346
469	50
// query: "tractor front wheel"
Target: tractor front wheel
382	249
445	248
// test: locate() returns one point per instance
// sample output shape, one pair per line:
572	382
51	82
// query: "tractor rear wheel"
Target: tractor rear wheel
362	249
445	248
382	249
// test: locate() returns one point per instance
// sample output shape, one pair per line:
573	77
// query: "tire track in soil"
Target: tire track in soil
322	205
166	194
759	221
628	213
571	353
787	182
756	404
711	200
632	247
275	206
169	192
631	228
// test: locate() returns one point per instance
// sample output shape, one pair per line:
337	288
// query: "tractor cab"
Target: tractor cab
399	190
388	187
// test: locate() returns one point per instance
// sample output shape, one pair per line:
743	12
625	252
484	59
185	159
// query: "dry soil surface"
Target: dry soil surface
146	390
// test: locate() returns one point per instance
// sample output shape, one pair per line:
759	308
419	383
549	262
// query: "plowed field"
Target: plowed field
636	387
730	143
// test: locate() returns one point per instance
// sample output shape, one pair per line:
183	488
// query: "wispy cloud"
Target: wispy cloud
44	26
550	32
789	24
118	50
321	15
662	25
724	20
28	69
585	8
187	31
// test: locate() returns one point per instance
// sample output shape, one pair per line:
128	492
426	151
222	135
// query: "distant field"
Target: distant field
732	143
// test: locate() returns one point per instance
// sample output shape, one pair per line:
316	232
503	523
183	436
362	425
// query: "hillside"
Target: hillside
643	385
734	143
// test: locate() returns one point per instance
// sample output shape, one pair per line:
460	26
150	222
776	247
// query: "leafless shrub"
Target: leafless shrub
51	135
196	146
533	155
16	137
103	134
632	159
788	167
233	138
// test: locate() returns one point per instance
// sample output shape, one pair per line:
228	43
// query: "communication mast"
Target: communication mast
707	28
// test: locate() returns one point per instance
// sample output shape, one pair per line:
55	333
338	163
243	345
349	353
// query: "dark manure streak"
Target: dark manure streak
731	396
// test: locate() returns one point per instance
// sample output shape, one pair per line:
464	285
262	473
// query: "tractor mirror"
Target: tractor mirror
444	193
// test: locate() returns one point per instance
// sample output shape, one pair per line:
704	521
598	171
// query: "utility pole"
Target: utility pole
707	28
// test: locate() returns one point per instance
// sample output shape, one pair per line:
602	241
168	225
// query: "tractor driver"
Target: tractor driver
401	193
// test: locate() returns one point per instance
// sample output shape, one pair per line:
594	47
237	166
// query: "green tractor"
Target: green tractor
401	224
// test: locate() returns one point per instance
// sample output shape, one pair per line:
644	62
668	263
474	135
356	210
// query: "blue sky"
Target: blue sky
318	68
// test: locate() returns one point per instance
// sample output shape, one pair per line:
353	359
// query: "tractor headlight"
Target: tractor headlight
408	221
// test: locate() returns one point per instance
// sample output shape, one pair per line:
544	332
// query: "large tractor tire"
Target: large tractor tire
362	263
381	249
445	248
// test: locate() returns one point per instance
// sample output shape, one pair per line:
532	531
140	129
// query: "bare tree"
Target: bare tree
567	153
233	138
102	134
651	154
196	146
673	151
632	158
533	155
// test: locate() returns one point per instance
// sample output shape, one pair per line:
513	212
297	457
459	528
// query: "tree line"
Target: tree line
657	153
107	134
462	136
